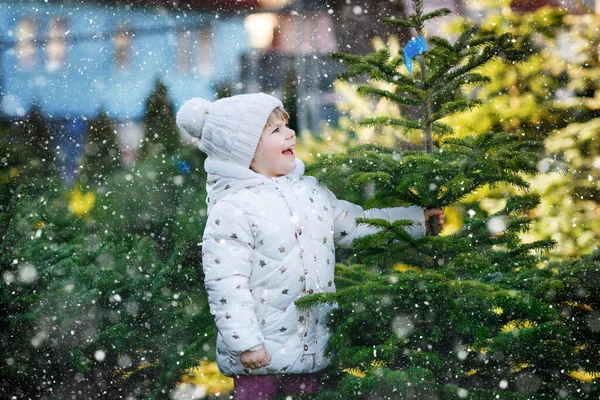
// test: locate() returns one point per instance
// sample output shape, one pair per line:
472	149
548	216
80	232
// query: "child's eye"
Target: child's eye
276	130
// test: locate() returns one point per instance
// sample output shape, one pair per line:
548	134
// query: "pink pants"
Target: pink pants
264	387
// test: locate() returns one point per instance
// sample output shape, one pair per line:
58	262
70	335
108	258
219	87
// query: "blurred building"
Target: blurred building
74	59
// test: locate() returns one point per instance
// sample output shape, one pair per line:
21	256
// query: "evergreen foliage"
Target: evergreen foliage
37	144
163	195
290	97
478	313
91	315
103	299
26	156
102	153
160	130
551	96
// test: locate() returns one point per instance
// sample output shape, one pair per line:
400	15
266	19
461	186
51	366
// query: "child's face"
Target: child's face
275	154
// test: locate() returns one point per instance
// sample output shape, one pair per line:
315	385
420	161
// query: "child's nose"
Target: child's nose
291	133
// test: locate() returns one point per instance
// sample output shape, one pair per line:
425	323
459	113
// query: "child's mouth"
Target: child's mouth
288	152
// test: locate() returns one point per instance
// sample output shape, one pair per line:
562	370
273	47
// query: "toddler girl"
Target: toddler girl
269	239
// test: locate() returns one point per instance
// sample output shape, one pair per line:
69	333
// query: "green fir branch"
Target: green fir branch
454	107
397	22
464	37
441	129
390	121
372	91
440	42
440	12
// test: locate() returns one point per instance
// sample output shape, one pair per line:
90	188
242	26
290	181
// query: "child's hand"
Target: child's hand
255	359
435	212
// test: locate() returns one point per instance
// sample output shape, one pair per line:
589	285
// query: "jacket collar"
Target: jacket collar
225	178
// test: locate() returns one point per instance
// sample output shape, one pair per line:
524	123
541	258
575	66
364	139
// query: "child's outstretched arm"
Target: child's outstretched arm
227	263
345	214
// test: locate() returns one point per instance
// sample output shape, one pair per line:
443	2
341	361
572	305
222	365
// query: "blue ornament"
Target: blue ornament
413	48
183	166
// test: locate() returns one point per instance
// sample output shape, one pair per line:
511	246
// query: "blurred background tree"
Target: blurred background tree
93	315
102	153
168	180
28	156
552	96
97	300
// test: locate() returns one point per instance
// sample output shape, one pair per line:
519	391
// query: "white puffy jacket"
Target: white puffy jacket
267	242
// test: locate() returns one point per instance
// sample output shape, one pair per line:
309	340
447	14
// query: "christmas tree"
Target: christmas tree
160	130
163	195
473	314
27	156
102	153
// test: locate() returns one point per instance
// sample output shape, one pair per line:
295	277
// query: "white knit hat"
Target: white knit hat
227	129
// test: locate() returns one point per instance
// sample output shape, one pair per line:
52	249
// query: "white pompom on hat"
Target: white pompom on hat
190	119
227	129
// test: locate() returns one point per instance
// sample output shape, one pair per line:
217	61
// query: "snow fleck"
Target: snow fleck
496	225
124	361
115	298
462	393
357	10
471	213
132	308
503	384
37	340
27	273
9	277
188	392
402	325
100	355
594	321
543	166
